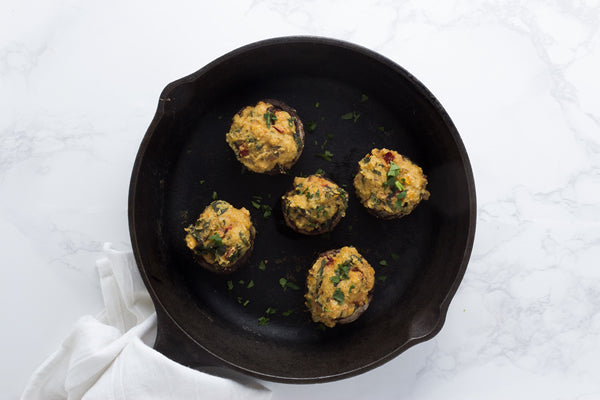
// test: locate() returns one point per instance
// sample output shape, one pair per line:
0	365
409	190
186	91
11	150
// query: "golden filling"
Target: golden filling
221	235
389	183
264	139
315	203
338	284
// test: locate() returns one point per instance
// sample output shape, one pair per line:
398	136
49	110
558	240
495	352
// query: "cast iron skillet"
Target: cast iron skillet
184	161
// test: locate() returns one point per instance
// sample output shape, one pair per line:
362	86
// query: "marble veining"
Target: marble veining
80	83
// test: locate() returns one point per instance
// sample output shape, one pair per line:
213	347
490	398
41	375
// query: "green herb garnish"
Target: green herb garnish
326	155
217	240
283	283
317	104
382	278
270	311
338	295
351	115
267	211
287	284
270	118
214	195
250	284
383	262
263	321
287	313
394	169
320	172
363	98
311	126
395	256
400	198
262	266
230	285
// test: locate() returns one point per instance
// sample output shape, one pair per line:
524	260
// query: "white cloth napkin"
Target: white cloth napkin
110	356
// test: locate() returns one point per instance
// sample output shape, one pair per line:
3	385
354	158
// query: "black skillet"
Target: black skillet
355	100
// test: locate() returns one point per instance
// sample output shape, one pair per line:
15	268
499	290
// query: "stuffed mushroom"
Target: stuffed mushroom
222	237
314	205
389	185
267	137
339	286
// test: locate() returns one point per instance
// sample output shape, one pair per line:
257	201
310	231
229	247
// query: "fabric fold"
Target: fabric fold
110	356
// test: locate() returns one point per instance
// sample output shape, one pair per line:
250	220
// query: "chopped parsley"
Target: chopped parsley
250	284
270	311
267	211
217	240
341	273
230	285
338	296
214	195
382	278
326	155
262	266
351	115
317	104
400	198
320	209
287	284
311	126
395	256
363	98
270	118
393	183
263	321
394	170
383	262
287	313
320	172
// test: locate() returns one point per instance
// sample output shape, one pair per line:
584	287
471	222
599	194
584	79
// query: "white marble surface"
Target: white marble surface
79	84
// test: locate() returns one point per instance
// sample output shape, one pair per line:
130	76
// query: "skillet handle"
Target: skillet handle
175	344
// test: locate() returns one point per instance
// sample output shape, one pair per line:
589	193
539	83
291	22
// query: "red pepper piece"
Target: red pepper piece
388	157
